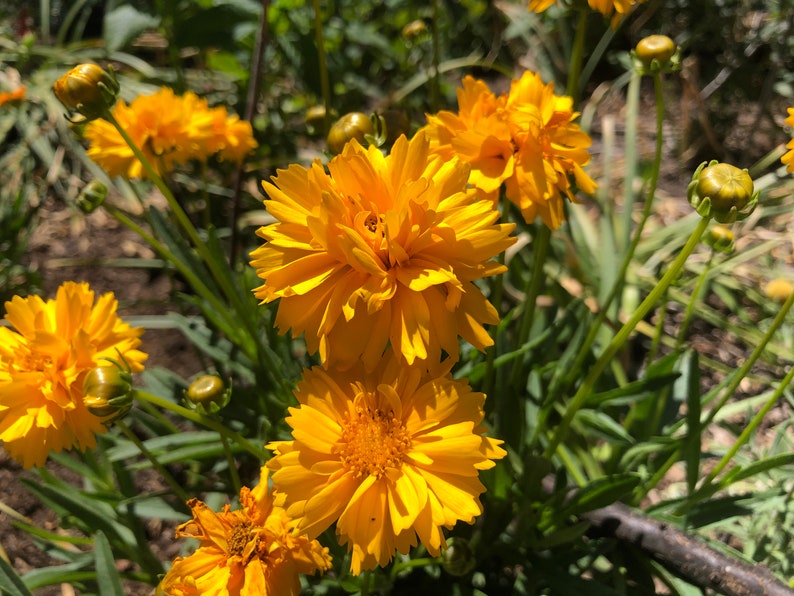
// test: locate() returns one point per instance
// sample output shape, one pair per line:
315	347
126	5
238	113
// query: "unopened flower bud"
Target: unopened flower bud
354	125
414	29
779	290
656	53
458	559
88	90
722	191
92	196
315	119
720	238
208	393
107	392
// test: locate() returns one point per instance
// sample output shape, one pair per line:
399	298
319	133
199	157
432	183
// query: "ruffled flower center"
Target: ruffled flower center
243	540
373	441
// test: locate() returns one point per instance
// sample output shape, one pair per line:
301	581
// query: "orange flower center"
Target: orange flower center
373	440
33	361
242	535
368	223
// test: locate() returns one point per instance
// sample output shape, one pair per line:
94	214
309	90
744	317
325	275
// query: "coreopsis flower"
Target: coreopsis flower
525	139
7	97
44	361
392	456
252	551
788	158
607	8
170	130
380	253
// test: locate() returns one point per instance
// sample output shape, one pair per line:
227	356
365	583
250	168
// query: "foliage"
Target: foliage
598	381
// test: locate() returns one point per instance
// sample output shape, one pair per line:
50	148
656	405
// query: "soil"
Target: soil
66	246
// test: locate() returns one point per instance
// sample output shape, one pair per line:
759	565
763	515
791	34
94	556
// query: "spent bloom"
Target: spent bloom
252	551
788	158
44	360
170	130
380	252
392	456
526	139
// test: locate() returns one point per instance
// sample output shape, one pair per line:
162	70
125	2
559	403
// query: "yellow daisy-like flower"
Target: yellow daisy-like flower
44	361
525	139
605	7
14	96
391	456
169	130
252	551
380	252
788	158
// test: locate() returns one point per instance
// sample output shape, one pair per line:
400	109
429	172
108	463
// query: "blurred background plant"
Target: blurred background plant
646	435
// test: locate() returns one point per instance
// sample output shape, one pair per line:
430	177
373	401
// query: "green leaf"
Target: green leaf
742	473
70	573
692	442
107	575
601	492
10	582
602	425
125	23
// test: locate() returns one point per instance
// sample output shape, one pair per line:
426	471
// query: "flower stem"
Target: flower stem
575	68
620	338
325	85
161	469
210	423
693	300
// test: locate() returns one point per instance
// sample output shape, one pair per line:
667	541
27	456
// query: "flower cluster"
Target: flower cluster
252	551
525	139
170	130
44	361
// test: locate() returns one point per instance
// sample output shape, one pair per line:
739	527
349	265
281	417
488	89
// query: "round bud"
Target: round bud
88	90
414	29
655	47
354	125
779	290
107	392
92	196
720	237
722	191
458	558
208	393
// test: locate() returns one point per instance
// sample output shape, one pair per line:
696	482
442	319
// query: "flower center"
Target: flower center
241	535
373	440
34	362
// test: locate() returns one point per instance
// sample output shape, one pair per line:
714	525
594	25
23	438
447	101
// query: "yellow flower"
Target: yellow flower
169	130
16	95
43	364
391	456
605	7
252	551
788	158
525	139
381	252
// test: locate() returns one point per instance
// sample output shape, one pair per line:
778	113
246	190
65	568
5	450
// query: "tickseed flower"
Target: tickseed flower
380	252
525	139
620	8
44	361
252	551
16	95
169	130
788	158
779	289
391	456
722	191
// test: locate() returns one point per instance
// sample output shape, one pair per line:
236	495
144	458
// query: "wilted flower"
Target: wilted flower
788	158
253	551
44	361
525	139
169	130
88	90
380	252
392	456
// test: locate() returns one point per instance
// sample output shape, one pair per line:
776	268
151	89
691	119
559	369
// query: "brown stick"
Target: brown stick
684	555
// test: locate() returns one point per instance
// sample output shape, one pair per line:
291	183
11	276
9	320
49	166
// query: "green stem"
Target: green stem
693	301
575	68
161	469
620	338
325	85
436	82
234	475
496	295
210	423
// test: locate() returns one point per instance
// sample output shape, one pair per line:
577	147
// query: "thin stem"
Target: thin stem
693	301
210	423
234	475
161	469
620	338
436	82
325	85
496	300
575	68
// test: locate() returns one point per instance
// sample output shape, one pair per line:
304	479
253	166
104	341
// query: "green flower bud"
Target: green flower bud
720	238
88	90
107	392
458	559
354	125
92	196
208	393
656	53
722	191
